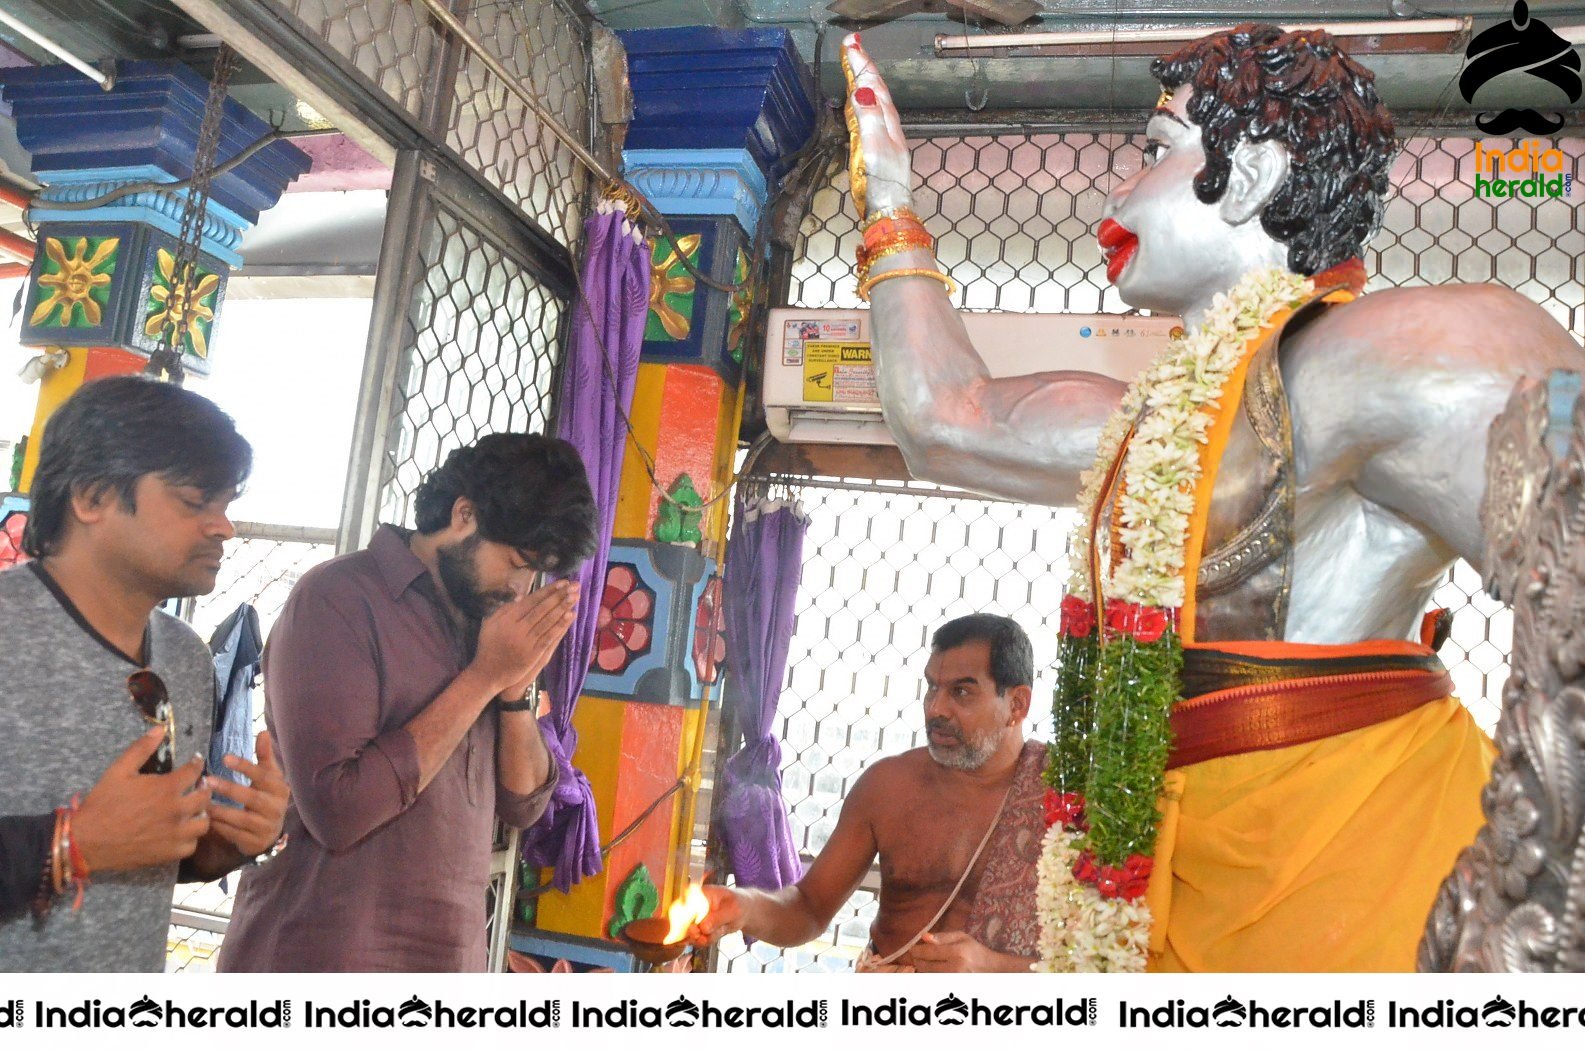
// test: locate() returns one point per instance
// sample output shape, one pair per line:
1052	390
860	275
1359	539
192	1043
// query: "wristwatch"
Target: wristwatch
528	702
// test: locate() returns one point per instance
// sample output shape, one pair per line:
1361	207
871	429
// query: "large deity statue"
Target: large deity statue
1258	763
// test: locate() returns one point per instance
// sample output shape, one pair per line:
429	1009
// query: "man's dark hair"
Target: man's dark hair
114	431
1012	657
1259	83
529	491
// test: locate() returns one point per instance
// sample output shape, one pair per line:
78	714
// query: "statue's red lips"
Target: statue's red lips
1118	245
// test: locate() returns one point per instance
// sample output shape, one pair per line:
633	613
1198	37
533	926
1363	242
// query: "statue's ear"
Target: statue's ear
1258	171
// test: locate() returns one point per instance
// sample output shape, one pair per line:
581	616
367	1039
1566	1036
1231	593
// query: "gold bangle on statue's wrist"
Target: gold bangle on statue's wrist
911	271
869	259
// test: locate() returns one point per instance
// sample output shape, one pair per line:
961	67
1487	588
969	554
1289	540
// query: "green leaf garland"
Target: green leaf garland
1136	684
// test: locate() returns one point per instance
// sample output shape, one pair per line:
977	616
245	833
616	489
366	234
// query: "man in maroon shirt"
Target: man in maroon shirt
400	684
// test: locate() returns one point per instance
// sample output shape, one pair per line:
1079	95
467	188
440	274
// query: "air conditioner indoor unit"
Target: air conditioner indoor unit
820	379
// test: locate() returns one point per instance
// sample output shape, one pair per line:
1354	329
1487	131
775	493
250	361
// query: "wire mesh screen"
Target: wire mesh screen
1437	229
261	565
496	134
1014	217
389	41
401	52
483	339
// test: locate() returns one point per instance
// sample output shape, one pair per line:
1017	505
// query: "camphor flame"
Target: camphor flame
683	913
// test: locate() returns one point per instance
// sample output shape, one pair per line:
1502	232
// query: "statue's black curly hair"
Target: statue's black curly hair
1257	83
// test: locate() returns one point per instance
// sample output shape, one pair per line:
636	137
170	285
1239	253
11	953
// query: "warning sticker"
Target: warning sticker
798	332
839	372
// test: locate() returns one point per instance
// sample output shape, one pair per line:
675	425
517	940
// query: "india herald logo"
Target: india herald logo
681	1012
951	1010
1499	1013
1229	1013
1527	44
145	1013
415	1013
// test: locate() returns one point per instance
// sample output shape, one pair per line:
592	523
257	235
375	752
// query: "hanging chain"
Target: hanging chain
167	357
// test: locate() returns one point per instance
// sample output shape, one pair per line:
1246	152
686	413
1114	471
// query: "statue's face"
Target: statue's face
1165	250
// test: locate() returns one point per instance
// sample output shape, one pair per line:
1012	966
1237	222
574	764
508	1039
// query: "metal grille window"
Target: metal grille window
493	131
448	95
1014	217
483	347
388	41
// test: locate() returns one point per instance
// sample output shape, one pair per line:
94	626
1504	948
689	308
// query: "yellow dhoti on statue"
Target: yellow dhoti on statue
1319	856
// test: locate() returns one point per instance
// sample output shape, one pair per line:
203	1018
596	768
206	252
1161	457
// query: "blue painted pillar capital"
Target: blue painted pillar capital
105	276
717	116
86	142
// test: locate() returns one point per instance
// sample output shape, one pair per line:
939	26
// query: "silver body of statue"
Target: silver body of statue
1390	396
1516	898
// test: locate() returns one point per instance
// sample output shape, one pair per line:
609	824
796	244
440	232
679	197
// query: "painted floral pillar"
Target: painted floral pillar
718	115
104	286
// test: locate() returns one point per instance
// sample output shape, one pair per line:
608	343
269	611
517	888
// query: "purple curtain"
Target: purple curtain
764	560
608	319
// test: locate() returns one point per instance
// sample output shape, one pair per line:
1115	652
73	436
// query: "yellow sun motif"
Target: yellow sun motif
742	304
662	283
184	307
74	280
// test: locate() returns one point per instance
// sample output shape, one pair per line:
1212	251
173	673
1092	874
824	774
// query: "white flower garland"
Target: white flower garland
1163	462
1081	931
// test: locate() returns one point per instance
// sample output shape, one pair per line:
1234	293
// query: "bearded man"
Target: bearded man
956	825
1258	763
401	693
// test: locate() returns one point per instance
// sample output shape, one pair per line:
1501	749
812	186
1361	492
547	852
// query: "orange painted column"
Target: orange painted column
657	656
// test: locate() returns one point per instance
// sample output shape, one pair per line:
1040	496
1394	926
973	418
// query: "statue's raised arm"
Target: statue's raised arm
1025	438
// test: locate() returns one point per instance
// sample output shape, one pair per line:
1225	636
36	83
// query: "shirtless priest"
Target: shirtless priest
957	825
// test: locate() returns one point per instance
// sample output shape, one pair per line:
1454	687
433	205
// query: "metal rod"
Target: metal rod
198	919
996	41
97	76
257	530
507	78
21	247
16	198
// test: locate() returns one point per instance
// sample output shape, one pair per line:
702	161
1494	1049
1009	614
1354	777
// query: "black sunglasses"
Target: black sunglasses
153	702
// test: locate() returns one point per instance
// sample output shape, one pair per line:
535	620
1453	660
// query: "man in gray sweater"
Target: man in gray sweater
103	698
